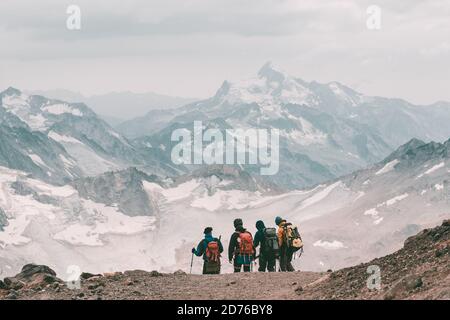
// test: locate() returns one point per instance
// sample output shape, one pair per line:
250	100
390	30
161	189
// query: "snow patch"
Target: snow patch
435	168
37	160
61	108
319	196
388	167
329	245
396	199
108	221
62	138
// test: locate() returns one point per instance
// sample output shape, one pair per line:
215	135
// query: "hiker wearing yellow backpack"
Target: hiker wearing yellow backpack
241	251
210	248
289	241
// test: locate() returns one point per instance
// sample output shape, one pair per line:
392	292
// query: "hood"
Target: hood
260	225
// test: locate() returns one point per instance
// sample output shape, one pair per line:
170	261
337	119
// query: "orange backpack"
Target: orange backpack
212	251
246	243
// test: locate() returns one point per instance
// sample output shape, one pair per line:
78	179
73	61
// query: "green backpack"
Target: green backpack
271	247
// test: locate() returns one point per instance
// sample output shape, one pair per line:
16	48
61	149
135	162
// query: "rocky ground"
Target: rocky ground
421	270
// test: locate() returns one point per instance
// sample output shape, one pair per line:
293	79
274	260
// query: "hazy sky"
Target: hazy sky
188	47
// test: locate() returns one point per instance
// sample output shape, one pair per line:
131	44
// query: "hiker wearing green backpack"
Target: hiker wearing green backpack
268	252
240	250
210	248
290	241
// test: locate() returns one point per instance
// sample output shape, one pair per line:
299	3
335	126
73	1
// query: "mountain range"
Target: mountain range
327	130
358	175
115	107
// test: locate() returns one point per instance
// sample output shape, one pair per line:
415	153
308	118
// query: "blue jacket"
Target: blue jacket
201	247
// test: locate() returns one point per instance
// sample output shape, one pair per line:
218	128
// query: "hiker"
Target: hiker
268	252
210	248
285	253
290	242
241	251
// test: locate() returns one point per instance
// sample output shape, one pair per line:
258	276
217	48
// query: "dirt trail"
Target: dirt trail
420	270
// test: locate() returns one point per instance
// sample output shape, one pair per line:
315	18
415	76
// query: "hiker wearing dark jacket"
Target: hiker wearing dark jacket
210	248
266	258
286	253
240	250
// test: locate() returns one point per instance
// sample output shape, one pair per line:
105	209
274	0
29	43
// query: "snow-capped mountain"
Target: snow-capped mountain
58	141
327	130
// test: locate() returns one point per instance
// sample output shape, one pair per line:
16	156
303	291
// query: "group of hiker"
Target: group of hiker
279	243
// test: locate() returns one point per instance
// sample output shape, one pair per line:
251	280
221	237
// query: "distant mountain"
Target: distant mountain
58	141
119	105
146	125
327	130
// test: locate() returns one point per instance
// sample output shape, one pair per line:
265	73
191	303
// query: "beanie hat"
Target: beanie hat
278	220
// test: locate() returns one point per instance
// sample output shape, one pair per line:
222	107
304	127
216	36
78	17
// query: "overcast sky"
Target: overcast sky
188	47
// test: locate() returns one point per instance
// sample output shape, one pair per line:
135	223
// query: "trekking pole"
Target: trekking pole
192	260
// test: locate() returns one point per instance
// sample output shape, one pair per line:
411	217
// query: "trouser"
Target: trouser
244	262
266	262
286	259
211	267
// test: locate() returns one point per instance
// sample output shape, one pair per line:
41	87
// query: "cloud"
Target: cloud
188	47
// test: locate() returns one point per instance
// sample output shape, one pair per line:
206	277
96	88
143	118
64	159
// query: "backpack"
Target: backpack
292	237
212	251
271	246
245	241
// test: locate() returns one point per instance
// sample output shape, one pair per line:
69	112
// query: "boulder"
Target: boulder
155	273
32	276
179	273
31	269
402	287
87	275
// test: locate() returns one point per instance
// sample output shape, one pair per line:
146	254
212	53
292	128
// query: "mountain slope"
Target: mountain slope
420	270
344	222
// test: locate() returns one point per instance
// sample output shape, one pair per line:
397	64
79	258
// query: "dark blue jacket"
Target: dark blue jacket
201	247
259	235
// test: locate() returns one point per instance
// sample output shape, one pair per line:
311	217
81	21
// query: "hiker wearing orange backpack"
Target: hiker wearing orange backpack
241	251
210	248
